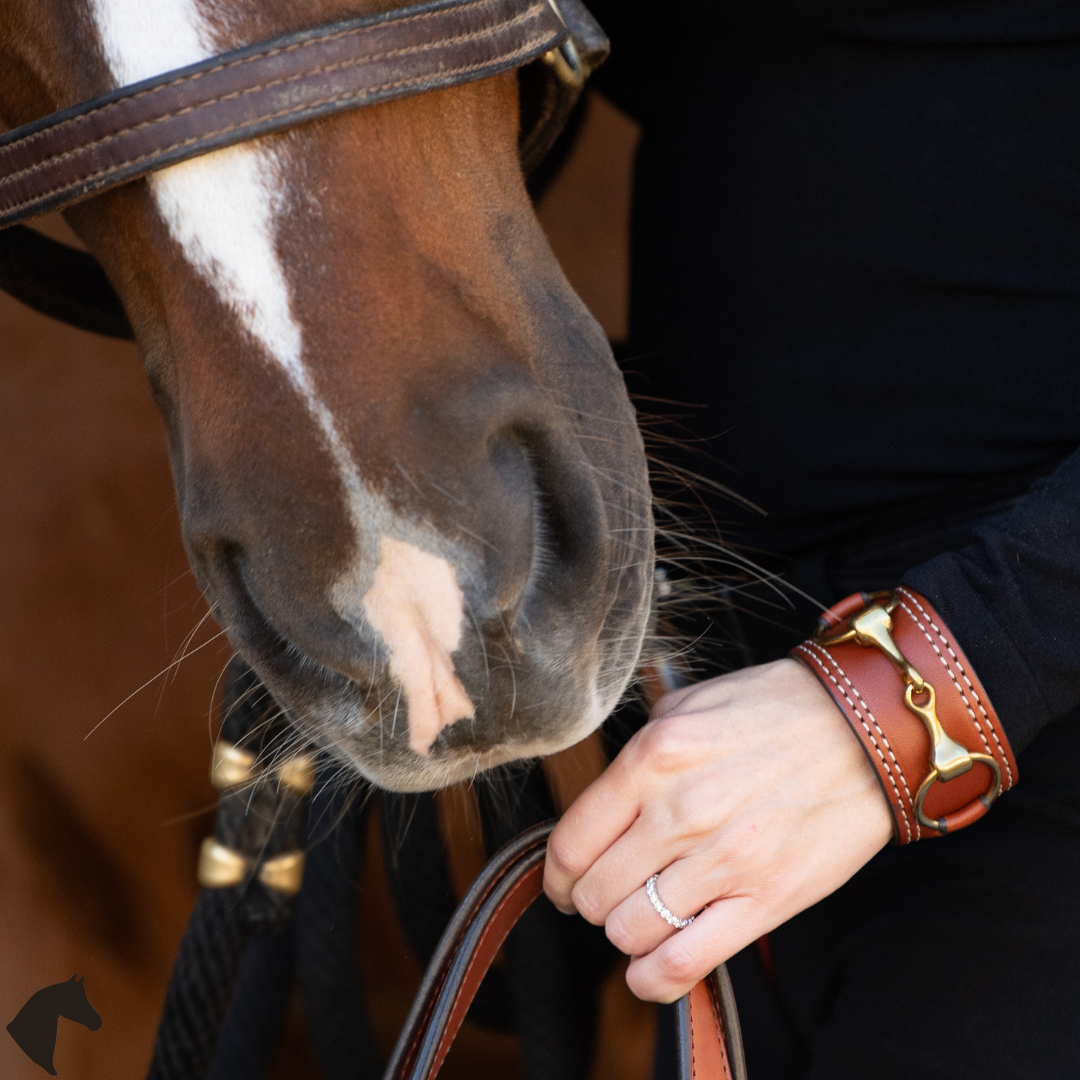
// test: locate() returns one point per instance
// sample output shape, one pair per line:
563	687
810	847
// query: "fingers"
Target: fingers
687	956
749	793
620	873
636	928
602	850
599	817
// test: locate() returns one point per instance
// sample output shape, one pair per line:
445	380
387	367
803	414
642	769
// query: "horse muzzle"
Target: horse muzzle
485	603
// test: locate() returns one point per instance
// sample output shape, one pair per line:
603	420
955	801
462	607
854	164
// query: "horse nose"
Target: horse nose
407	593
496	468
501	471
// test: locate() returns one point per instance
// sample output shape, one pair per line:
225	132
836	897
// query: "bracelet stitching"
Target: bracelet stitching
974	692
956	683
877	749
884	738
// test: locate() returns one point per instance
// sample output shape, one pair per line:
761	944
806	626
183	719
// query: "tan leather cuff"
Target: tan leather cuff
917	706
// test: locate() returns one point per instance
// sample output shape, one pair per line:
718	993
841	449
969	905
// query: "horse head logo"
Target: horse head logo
34	1029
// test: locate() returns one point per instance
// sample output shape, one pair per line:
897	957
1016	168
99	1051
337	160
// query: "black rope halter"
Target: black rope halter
258	929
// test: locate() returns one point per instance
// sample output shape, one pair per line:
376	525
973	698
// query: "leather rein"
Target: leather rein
97	145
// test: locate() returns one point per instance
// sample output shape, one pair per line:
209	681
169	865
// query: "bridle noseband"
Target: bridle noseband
98	145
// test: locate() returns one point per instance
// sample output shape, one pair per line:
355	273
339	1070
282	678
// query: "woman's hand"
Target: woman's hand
753	797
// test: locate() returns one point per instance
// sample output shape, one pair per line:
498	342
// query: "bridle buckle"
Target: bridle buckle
564	59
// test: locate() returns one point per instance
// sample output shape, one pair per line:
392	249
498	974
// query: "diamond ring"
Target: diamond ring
662	909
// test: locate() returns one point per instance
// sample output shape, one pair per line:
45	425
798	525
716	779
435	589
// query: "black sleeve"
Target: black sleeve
1012	600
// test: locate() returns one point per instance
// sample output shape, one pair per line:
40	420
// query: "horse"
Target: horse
409	477
409	480
34	1027
100	837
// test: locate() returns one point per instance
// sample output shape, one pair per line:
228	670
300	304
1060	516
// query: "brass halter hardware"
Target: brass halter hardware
297	774
232	766
872	628
285	873
220	867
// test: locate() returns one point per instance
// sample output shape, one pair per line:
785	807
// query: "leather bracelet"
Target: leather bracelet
918	708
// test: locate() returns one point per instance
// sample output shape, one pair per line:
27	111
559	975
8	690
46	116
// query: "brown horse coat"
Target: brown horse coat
410	481
461	373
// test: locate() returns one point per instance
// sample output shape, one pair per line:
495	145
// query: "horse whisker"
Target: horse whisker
149	681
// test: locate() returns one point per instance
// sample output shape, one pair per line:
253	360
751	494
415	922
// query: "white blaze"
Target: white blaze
221	208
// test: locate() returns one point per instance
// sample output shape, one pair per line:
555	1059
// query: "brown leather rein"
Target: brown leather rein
92	147
708	1036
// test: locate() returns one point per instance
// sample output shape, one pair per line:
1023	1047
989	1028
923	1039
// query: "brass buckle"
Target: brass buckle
564	59
872	627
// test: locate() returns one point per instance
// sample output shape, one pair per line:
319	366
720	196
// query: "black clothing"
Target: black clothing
949	959
856	239
942	960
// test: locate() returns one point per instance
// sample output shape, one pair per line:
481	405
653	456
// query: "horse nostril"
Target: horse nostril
216	562
513	521
566	537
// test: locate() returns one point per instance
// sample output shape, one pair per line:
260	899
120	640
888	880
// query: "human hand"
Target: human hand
753	797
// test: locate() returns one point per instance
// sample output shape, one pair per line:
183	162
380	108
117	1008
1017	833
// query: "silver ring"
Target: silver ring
662	909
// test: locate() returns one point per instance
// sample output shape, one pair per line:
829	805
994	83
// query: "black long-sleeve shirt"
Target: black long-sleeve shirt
856	240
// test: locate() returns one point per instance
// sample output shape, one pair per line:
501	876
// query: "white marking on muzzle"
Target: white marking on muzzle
416	605
221	208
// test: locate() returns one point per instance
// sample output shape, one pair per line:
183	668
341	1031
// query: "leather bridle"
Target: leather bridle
97	145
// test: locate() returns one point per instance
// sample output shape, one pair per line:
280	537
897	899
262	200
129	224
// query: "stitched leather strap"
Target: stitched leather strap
84	150
870	690
709	1037
710	1045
